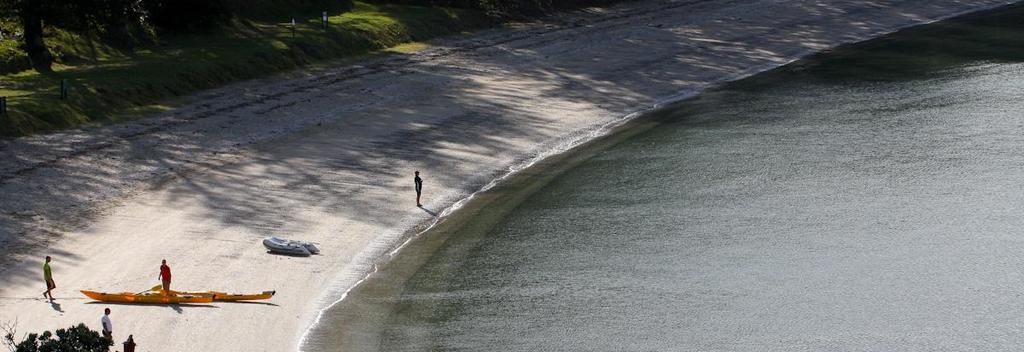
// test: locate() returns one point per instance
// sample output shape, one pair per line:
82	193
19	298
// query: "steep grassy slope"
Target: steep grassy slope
110	85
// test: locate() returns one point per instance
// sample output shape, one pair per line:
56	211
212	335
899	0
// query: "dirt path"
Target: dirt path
328	156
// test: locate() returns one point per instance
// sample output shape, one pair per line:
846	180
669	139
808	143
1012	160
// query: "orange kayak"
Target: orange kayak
230	297
222	296
146	297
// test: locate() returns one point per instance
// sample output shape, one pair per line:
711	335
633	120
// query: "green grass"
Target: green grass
109	86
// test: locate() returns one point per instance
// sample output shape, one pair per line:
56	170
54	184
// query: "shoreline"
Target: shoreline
536	172
609	129
540	261
273	177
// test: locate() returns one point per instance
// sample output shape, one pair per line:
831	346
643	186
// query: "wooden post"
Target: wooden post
63	89
3	105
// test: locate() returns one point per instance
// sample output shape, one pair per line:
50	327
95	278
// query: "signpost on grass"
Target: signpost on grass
63	89
293	27
3	105
323	16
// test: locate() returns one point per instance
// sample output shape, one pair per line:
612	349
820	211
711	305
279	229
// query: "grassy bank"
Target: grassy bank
112	85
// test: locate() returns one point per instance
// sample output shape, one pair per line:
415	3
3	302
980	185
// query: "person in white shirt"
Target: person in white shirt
108	329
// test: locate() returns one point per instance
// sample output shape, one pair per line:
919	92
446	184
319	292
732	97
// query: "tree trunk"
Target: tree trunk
38	54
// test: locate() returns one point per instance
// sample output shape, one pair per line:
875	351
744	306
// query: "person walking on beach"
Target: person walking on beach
419	187
165	277
108	328
129	346
48	277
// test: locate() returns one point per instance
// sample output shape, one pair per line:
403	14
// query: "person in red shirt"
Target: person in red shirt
165	276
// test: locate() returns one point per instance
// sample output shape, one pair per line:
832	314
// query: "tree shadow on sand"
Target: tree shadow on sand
472	97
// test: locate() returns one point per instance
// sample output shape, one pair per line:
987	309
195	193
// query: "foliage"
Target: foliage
507	8
198	16
91	14
186	15
282	10
34	15
12	58
109	89
77	14
9	330
77	338
111	83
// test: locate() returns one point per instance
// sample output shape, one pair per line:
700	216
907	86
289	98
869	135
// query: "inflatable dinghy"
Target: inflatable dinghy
283	246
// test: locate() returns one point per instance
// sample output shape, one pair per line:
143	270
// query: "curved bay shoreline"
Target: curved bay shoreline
328	157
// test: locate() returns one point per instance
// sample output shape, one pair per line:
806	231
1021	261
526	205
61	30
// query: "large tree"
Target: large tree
77	14
31	14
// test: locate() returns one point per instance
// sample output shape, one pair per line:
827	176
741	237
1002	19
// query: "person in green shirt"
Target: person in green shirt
48	276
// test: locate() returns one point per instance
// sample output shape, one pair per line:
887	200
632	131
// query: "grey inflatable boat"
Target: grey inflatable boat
280	245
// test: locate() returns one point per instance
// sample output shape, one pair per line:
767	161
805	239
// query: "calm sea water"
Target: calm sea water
871	198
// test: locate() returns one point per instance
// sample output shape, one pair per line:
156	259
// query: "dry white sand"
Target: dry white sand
327	156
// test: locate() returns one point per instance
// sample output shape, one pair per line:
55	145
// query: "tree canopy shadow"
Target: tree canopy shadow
253	153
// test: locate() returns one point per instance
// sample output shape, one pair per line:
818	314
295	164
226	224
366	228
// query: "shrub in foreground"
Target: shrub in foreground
74	339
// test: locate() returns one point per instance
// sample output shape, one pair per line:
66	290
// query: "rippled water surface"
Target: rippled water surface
867	199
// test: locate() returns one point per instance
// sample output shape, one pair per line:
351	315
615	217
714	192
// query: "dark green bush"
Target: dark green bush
74	339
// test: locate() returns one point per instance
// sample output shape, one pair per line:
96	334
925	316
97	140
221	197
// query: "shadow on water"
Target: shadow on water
912	54
416	288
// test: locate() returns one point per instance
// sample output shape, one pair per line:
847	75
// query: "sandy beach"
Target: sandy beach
327	155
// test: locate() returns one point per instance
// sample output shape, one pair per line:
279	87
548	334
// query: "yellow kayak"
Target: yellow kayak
146	297
222	296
